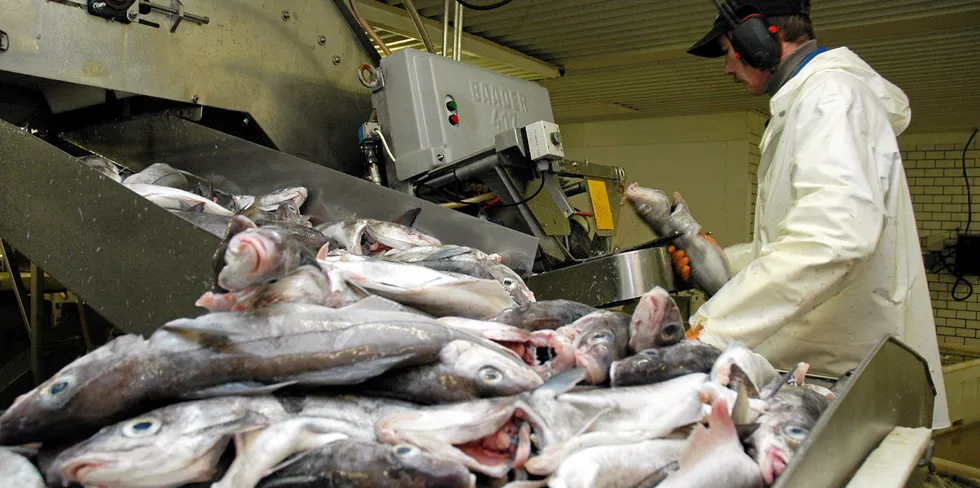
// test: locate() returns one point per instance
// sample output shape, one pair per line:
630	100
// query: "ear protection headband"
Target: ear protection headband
753	38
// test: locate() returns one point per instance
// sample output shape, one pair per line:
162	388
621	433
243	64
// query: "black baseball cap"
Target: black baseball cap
708	46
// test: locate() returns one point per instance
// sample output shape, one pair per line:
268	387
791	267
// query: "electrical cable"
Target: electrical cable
942	264
492	6
384	142
367	28
528	199
418	25
969	194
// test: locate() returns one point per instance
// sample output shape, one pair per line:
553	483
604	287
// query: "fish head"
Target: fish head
170	446
492	370
250	256
306	284
656	321
105	380
379	236
415	467
513	283
783	427
603	339
480	434
630	366
652	205
296	195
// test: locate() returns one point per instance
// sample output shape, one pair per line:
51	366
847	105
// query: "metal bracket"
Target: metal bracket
178	12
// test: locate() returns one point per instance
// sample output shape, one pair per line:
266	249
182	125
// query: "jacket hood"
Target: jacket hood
842	59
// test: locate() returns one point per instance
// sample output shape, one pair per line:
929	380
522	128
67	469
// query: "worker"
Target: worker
835	263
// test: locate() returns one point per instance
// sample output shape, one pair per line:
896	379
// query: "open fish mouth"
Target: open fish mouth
79	470
773	464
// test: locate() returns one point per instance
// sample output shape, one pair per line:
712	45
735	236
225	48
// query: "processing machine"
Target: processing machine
276	93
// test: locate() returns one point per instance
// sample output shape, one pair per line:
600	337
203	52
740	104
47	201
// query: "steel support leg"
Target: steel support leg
38	322
20	291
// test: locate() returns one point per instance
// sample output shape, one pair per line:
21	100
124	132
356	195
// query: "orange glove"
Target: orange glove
682	263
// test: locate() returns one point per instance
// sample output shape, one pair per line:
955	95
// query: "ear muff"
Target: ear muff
753	38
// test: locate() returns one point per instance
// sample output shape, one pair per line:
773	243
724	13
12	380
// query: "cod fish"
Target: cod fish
307	284
352	463
258	255
175	198
710	268
599	339
616	466
183	442
295	195
757	368
714	455
440	294
102	165
492	435
467	369
18	471
159	174
467	261
792	411
661	364
372	237
544	315
214	353
656	322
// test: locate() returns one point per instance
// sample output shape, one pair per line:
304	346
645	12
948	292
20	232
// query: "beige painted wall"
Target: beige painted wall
708	159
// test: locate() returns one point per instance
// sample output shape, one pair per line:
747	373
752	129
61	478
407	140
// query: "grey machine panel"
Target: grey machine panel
414	116
332	195
290	64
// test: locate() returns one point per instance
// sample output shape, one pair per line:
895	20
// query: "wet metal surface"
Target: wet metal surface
332	195
892	387
135	263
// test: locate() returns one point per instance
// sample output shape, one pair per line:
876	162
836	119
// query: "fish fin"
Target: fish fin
737	378
740	411
351	374
186	207
799	373
248	422
374	303
702	441
359	290
192	325
745	430
242	388
564	381
656	477
595	418
772	388
408	218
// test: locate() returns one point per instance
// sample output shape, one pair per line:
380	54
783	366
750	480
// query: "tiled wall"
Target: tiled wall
933	166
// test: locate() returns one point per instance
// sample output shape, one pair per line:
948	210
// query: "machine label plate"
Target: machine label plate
600	205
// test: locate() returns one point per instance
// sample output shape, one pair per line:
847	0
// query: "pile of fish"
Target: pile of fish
364	353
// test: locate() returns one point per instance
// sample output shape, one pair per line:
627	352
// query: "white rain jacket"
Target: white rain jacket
835	262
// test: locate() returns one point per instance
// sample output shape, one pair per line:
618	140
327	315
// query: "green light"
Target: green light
451	105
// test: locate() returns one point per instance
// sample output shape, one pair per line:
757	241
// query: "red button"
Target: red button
454	119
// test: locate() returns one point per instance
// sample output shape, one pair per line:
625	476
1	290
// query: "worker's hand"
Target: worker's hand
682	263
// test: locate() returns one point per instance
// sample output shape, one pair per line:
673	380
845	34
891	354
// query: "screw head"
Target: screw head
285	15
336	59
98	5
321	40
195	99
132	14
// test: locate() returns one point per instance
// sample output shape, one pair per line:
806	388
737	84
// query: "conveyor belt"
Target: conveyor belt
139	265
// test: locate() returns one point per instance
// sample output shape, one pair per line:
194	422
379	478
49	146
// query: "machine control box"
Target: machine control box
544	141
434	111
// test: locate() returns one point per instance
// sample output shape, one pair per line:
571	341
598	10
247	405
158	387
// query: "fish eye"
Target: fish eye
403	450
508	282
142	427
490	374
795	432
59	391
671	329
599	337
